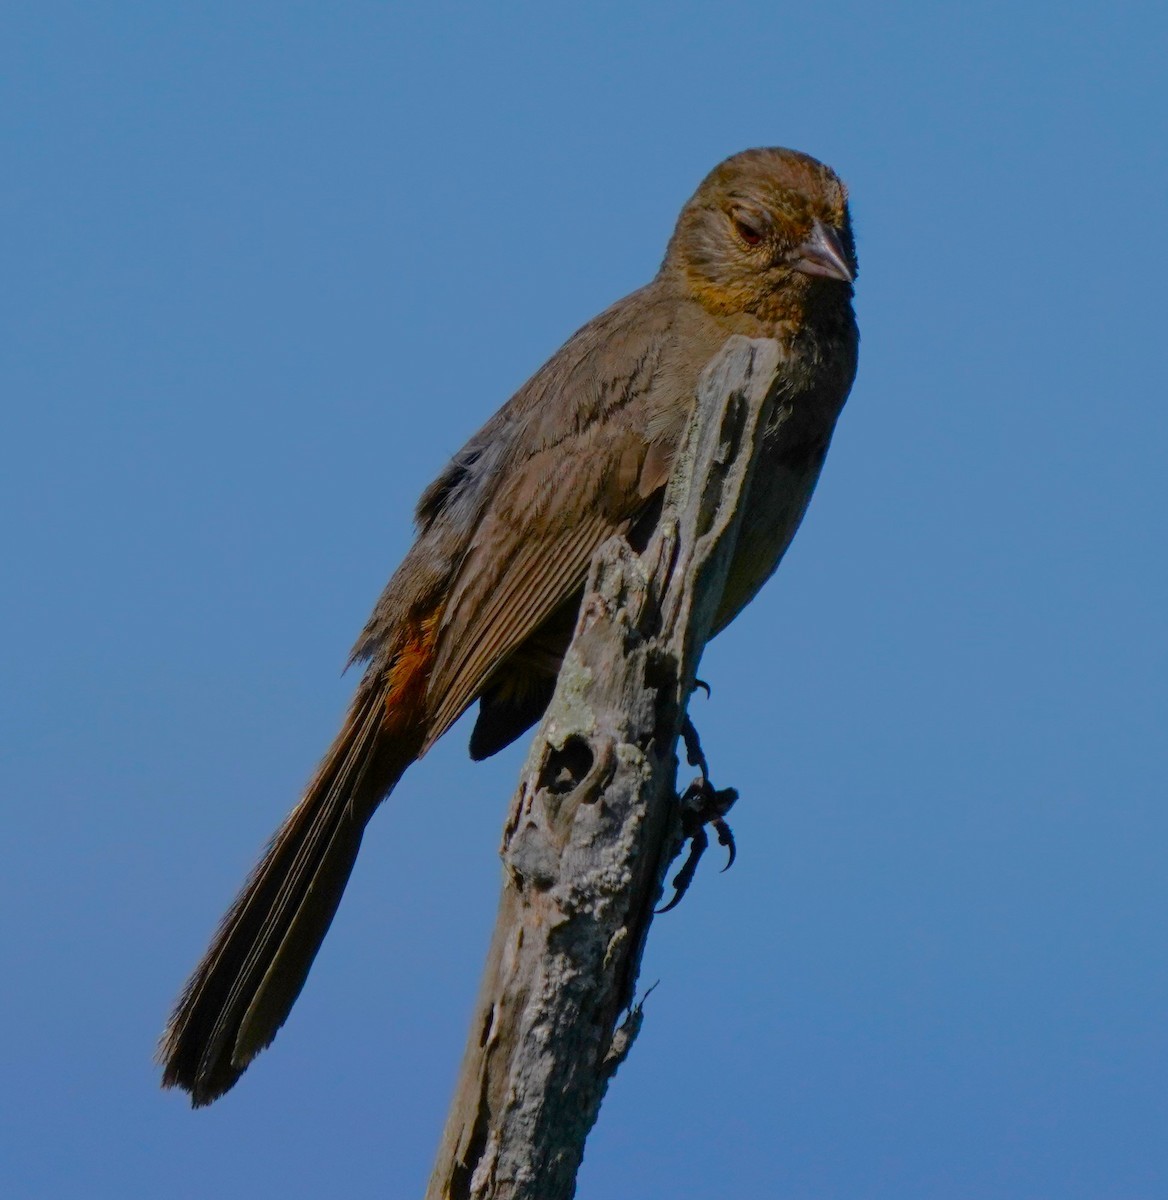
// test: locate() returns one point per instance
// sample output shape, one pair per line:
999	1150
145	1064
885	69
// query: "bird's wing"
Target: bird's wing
593	449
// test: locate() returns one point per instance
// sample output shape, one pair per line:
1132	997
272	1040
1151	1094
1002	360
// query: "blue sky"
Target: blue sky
267	265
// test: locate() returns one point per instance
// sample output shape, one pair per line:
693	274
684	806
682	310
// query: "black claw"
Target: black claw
681	881
725	838
701	683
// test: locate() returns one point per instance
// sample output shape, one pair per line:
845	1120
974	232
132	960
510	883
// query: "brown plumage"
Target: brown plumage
483	605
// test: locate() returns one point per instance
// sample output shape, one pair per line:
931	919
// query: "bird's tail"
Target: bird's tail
242	991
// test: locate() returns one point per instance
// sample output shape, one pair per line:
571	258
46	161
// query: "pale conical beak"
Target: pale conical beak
823	254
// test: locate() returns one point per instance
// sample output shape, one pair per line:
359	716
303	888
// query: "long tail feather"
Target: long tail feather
242	991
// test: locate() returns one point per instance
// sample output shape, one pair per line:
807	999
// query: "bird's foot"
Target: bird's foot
702	804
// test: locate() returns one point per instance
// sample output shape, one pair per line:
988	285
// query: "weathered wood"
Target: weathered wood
594	823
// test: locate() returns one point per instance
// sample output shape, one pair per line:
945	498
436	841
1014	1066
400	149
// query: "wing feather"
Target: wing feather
537	581
590	444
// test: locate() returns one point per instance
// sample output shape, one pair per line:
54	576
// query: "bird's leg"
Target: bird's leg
694	754
707	804
702	804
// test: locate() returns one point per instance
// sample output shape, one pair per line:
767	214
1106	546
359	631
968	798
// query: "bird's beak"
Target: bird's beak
823	254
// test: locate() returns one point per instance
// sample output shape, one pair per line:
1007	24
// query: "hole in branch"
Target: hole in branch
564	769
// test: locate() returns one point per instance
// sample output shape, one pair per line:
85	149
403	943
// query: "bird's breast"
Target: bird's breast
785	475
778	497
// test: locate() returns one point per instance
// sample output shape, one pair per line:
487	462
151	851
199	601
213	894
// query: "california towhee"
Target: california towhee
484	603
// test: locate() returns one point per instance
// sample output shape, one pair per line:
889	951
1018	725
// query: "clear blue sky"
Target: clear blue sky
267	264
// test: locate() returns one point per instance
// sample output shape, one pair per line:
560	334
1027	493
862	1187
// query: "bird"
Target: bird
483	605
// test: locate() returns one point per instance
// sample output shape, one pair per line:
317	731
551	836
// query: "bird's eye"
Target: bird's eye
748	228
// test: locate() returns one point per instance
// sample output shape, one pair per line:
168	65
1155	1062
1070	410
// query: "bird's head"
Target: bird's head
767	233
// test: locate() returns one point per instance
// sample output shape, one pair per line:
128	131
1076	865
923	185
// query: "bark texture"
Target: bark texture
595	824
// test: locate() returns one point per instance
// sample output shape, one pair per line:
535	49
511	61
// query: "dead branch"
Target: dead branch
595	821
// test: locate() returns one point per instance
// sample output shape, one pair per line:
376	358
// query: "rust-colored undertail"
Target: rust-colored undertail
242	991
